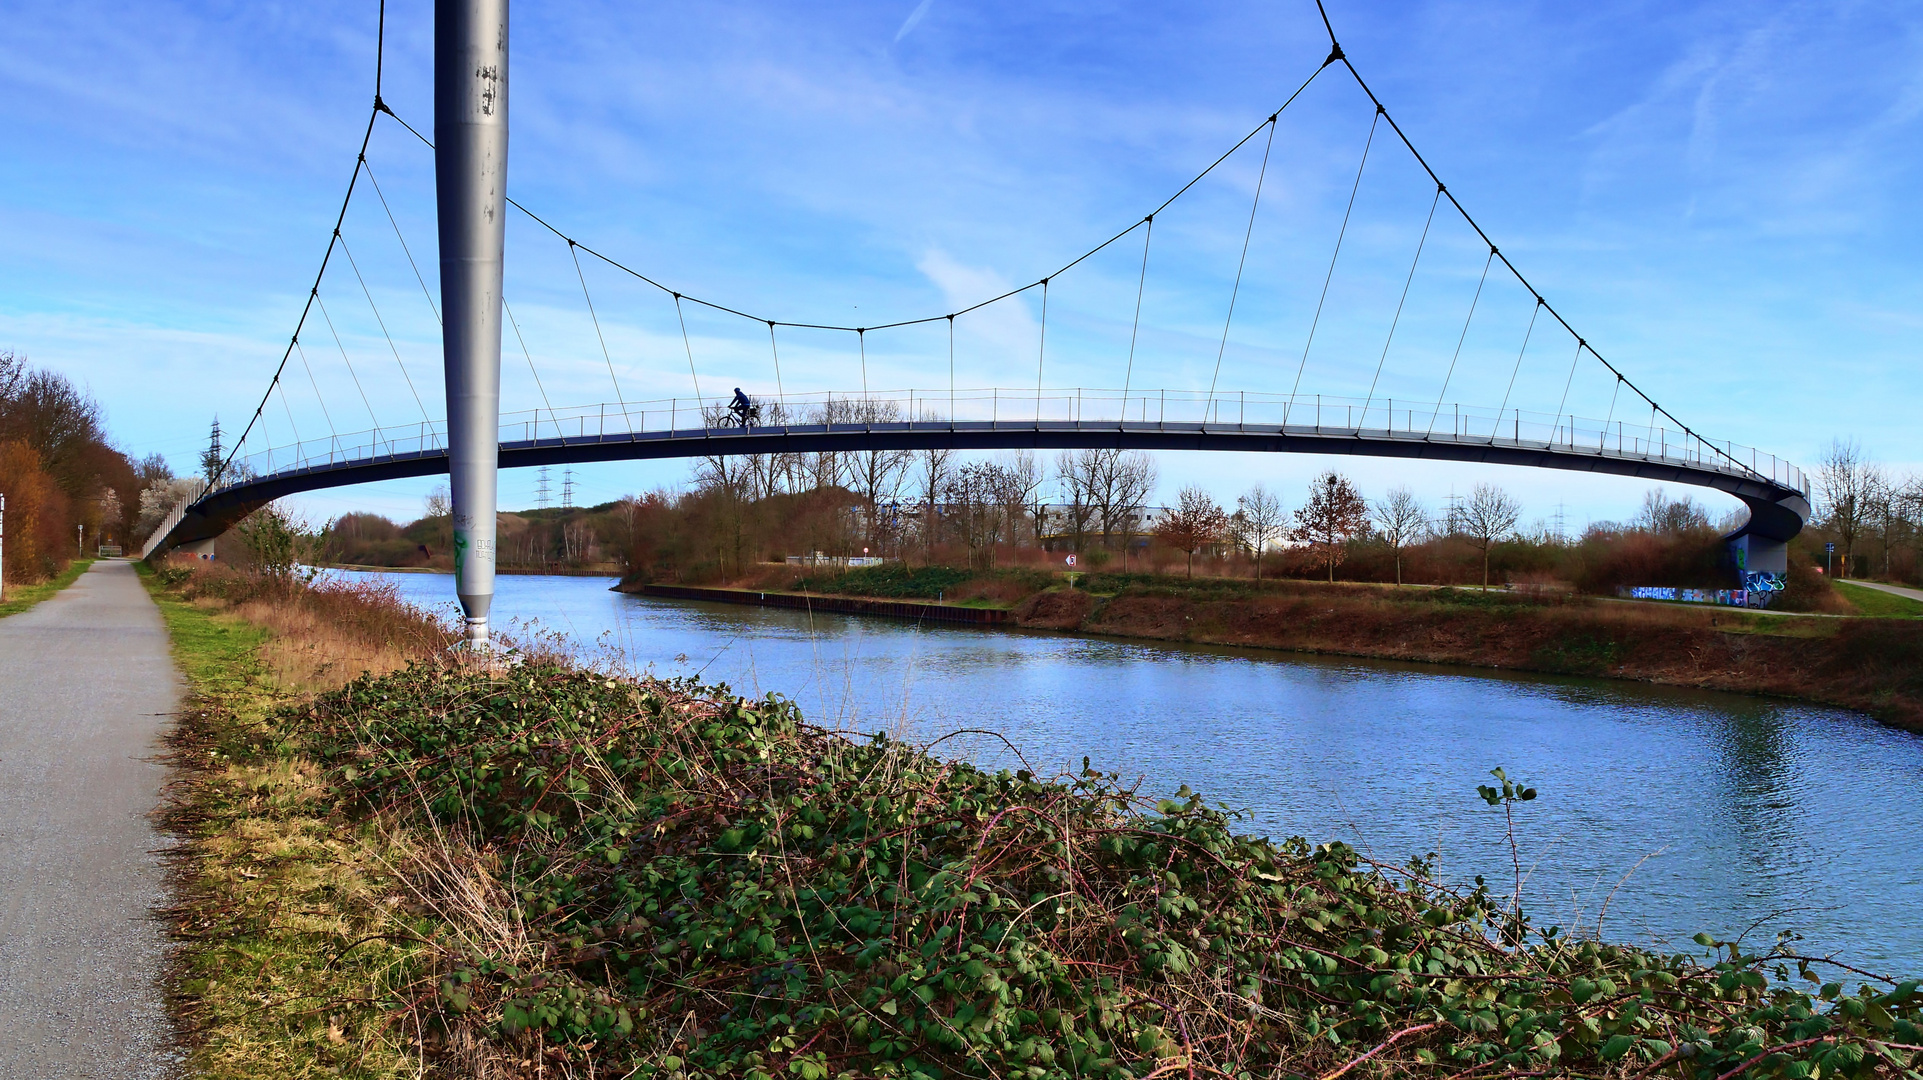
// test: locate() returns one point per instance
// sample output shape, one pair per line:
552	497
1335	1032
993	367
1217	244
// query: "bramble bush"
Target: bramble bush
707	886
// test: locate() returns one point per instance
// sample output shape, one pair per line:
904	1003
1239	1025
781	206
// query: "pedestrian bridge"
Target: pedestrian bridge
1775	491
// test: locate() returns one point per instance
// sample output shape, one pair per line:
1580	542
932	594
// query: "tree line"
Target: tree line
1872	515
67	487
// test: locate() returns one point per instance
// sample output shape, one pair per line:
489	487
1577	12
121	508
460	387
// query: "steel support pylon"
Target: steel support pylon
470	181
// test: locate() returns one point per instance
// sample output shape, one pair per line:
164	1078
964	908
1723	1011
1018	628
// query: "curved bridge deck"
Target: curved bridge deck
1774	491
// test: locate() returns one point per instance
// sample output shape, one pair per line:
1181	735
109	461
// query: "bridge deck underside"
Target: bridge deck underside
1777	512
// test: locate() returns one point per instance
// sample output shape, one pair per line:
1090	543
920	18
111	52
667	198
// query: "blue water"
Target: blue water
1701	811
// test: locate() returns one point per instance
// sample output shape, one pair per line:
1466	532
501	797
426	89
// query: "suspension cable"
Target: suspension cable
1526	334
1135	327
1444	392
511	321
1397	321
1337	54
639	276
290	413
619	398
322	304
1247	235
688	347
1333	256
779	391
313	293
1571	380
409	252
861	345
382	323
331	429
1041	353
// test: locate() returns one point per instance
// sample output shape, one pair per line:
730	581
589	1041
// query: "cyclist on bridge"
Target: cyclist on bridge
743	410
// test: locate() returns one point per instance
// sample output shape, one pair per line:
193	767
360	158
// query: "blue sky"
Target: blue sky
1720	197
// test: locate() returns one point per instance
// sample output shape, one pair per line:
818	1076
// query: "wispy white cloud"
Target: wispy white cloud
913	20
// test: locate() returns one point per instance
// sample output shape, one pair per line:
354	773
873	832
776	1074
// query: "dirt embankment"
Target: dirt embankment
1875	665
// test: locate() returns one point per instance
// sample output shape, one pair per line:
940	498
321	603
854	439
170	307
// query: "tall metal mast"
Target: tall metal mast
470	172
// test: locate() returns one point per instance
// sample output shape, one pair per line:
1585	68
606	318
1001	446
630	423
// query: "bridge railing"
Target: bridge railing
1308	415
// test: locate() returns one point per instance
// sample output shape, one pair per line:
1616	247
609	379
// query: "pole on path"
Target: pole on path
3	546
470	182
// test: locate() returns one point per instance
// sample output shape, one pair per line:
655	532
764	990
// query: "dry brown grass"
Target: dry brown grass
295	931
322	633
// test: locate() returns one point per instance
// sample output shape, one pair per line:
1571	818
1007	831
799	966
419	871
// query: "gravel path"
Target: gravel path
86	688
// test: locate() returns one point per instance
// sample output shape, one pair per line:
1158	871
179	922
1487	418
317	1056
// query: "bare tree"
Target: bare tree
771	474
975	502
1907	503
1018	479
1134	480
1076	482
875	476
1846	484
1334	513
1263	517
1881	513
1194	523
1486	516
932	471
1668	517
1400	517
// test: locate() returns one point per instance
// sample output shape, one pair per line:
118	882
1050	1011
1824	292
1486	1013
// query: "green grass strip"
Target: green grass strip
219	655
21	597
1877	604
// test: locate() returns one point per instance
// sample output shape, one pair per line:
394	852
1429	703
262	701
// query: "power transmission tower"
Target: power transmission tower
541	498
567	488
211	458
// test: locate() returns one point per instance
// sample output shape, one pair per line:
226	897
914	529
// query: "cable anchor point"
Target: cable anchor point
1335	53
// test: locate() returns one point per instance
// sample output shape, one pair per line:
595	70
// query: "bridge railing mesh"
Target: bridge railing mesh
1077	407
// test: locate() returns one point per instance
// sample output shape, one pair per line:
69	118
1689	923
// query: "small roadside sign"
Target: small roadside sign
1071	560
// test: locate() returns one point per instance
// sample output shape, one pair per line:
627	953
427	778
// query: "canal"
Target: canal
1663	811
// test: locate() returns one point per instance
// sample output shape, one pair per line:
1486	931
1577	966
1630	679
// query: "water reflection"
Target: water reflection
1730	811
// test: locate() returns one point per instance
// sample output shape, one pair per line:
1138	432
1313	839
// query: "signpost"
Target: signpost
1829	559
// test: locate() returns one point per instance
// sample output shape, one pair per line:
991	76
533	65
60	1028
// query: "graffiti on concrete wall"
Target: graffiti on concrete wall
1762	588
